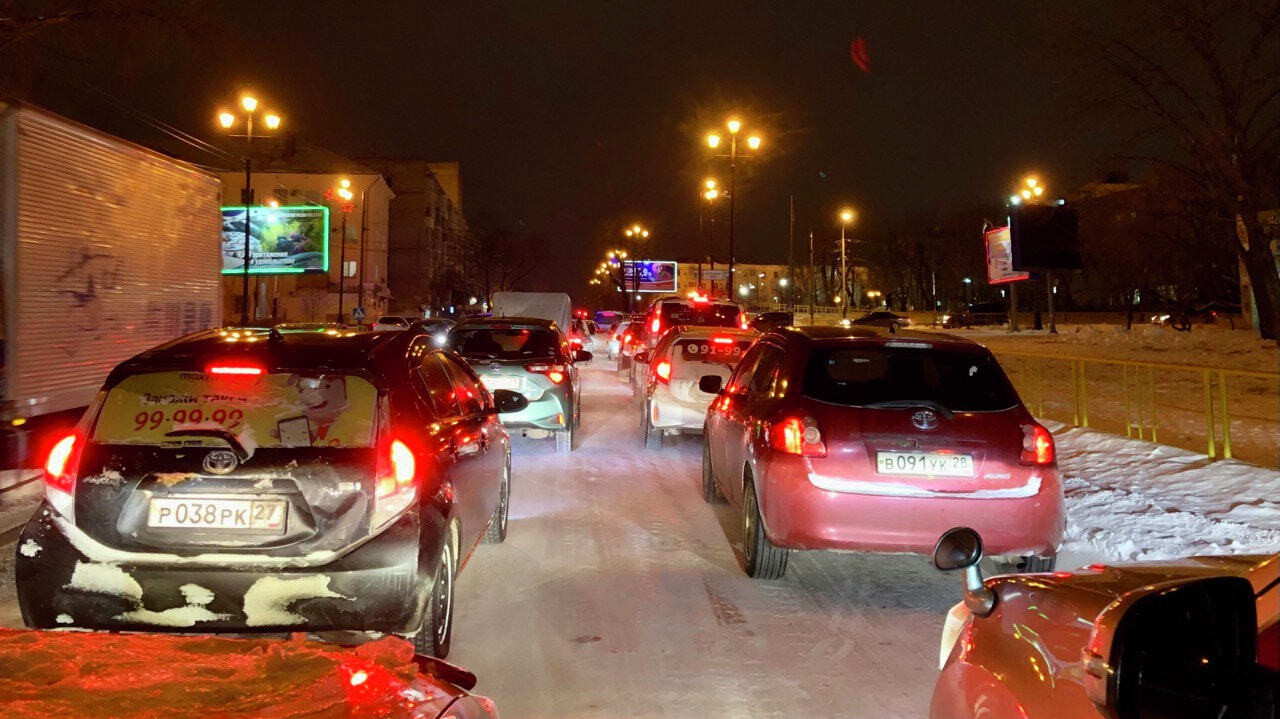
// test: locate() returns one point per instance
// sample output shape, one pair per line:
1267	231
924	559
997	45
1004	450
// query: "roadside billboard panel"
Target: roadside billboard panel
1000	257
652	275
282	240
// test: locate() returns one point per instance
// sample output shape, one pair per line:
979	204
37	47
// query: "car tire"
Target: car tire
564	440
710	492
436	631
652	435
760	558
496	532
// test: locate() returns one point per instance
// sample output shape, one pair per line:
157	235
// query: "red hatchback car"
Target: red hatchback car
866	439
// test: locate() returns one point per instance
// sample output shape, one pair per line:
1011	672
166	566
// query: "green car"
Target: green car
533	357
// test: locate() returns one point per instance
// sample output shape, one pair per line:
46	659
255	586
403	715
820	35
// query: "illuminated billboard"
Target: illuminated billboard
1000	258
282	240
651	276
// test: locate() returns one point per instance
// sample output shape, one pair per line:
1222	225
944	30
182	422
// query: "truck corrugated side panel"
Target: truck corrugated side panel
117	251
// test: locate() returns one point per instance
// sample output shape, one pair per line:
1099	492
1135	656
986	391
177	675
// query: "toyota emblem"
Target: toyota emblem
220	462
495	366
924	419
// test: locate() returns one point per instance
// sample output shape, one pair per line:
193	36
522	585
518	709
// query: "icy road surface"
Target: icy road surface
618	593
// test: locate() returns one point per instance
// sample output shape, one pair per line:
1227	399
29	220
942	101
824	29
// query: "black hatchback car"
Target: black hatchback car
244	480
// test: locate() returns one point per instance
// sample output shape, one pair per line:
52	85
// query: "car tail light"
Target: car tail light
626	338
794	435
663	371
575	341
722	340
655	325
554	372
1037	445
396	482
742	321
60	468
233	370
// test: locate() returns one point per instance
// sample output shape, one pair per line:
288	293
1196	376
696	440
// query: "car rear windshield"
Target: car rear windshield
718	350
700	314
257	410
969	381
505	342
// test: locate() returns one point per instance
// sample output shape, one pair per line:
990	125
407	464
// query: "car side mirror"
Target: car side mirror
582	356
961	548
1179	649
711	383
505	401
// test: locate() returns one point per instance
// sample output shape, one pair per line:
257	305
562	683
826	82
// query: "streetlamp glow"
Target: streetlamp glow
783	282
1038	190
713	140
226	119
249	103
644	233
711	194
1032	182
710	183
635	229
742	290
1015	200
734	126
273	121
846	216
753	142
1026	194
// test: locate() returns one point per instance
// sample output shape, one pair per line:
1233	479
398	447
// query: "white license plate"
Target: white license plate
925	464
501	382
263	515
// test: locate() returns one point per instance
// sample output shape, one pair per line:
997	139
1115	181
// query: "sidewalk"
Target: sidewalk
1130	500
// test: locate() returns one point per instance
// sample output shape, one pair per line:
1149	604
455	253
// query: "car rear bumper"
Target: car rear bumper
381	585
550	411
667	412
800	515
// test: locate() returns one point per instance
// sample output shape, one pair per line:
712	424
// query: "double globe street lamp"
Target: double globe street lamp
249	106
753	143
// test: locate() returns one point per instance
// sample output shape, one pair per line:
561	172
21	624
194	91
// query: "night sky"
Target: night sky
572	118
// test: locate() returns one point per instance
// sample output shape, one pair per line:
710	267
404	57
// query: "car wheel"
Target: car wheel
710	493
652	435
761	559
497	530
564	440
436	631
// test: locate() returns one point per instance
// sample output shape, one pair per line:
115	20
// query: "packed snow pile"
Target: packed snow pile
1134	500
140	676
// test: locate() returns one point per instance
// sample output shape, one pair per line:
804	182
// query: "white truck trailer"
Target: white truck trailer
106	249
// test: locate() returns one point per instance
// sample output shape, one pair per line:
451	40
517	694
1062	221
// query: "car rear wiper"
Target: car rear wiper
222	434
909	403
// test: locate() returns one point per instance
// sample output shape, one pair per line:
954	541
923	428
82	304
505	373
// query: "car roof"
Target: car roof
326	349
480	322
856	332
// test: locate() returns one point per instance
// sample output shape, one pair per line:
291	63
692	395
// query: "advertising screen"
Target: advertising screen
652	276
282	240
1000	258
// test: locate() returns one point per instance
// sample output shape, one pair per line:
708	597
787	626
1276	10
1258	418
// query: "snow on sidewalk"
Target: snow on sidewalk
1131	500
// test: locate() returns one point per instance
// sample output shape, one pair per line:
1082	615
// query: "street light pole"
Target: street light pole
249	104
846	216
733	195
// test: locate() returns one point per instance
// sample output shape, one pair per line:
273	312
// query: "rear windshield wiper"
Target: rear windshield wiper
909	403
222	434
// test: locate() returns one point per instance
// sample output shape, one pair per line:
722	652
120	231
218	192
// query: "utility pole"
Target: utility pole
246	198
791	245
844	276
1048	288
813	286
733	196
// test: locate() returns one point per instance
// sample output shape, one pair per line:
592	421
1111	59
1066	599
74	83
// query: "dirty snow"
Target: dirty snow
64	619
1134	500
104	579
29	548
266	603
106	476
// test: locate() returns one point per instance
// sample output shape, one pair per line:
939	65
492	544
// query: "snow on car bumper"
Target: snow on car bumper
379	586
800	515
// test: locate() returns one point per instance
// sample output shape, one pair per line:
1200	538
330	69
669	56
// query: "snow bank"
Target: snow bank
266	603
1134	500
109	676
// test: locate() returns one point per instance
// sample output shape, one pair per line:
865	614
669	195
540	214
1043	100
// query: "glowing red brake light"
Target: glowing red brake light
722	340
1037	445
796	436
626	337
59	468
556	377
655	325
554	372
663	370
700	299
235	370
403	465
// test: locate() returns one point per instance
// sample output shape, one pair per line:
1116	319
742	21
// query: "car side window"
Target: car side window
742	375
438	388
469	392
766	367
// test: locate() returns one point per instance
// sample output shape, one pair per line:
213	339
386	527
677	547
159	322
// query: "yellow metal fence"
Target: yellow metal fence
1224	413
